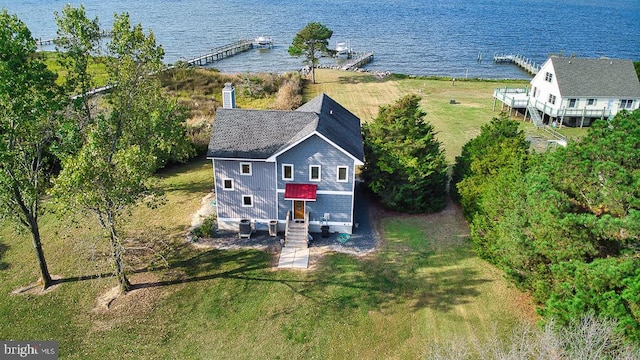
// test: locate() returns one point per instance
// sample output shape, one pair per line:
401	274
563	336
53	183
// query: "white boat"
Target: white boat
263	41
342	48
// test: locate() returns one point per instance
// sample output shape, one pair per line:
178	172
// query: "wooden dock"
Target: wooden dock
357	61
45	42
526	64
221	52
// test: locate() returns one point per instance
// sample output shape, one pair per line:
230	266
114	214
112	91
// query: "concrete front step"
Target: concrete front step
291	242
297	234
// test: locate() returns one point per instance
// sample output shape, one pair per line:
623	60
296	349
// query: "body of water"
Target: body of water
414	37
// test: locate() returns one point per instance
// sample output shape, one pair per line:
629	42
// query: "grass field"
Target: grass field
364	93
424	285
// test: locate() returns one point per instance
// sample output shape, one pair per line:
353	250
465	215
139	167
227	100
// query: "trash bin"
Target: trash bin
273	228
245	228
325	231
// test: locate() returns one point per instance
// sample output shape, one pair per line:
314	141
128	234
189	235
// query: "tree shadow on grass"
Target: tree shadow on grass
397	274
419	277
213	264
189	187
3	250
202	266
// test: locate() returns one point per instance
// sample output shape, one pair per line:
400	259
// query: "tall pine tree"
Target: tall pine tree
404	162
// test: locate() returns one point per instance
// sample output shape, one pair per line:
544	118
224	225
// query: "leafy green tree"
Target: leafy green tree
404	162
29	109
77	42
312	40
122	147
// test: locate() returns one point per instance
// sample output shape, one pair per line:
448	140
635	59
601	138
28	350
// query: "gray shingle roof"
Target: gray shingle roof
579	77
259	134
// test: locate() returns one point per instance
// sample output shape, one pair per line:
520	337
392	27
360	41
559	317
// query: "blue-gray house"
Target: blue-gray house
290	166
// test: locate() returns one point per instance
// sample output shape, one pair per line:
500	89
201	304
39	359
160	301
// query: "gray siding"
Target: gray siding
260	185
316	151
338	206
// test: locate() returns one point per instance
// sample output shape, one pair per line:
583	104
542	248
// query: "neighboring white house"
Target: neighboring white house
576	91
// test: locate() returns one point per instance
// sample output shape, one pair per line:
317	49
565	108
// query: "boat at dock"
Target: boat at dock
263	41
342	48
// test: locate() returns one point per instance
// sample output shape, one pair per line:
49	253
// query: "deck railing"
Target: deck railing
513	97
306	223
286	227
552	111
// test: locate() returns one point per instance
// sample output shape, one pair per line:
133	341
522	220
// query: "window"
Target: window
247	200
287	172
548	77
343	174
552	99
245	168
314	173
591	102
626	104
573	102
227	184
535	92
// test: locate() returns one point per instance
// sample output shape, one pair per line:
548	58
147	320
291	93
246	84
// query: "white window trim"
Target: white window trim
247	196
319	172
346	179
225	188
292	173
250	168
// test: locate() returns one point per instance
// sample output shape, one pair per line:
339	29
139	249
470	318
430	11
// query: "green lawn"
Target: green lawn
363	93
425	284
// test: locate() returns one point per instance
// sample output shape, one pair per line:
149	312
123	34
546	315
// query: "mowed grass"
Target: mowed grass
422	287
364	93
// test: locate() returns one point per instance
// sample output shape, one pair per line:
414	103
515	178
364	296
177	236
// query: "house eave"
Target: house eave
273	157
237	159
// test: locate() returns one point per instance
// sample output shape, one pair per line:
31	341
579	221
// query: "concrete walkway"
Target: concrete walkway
294	258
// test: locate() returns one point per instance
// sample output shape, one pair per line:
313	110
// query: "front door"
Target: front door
298	209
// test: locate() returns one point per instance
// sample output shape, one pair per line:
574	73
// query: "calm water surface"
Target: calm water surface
435	37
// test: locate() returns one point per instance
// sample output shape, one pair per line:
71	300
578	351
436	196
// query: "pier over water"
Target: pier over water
526	64
221	52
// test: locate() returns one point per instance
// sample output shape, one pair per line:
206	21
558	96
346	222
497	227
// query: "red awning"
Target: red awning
300	192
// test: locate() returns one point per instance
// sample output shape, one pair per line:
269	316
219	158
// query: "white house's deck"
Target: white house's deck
515	98
518	98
